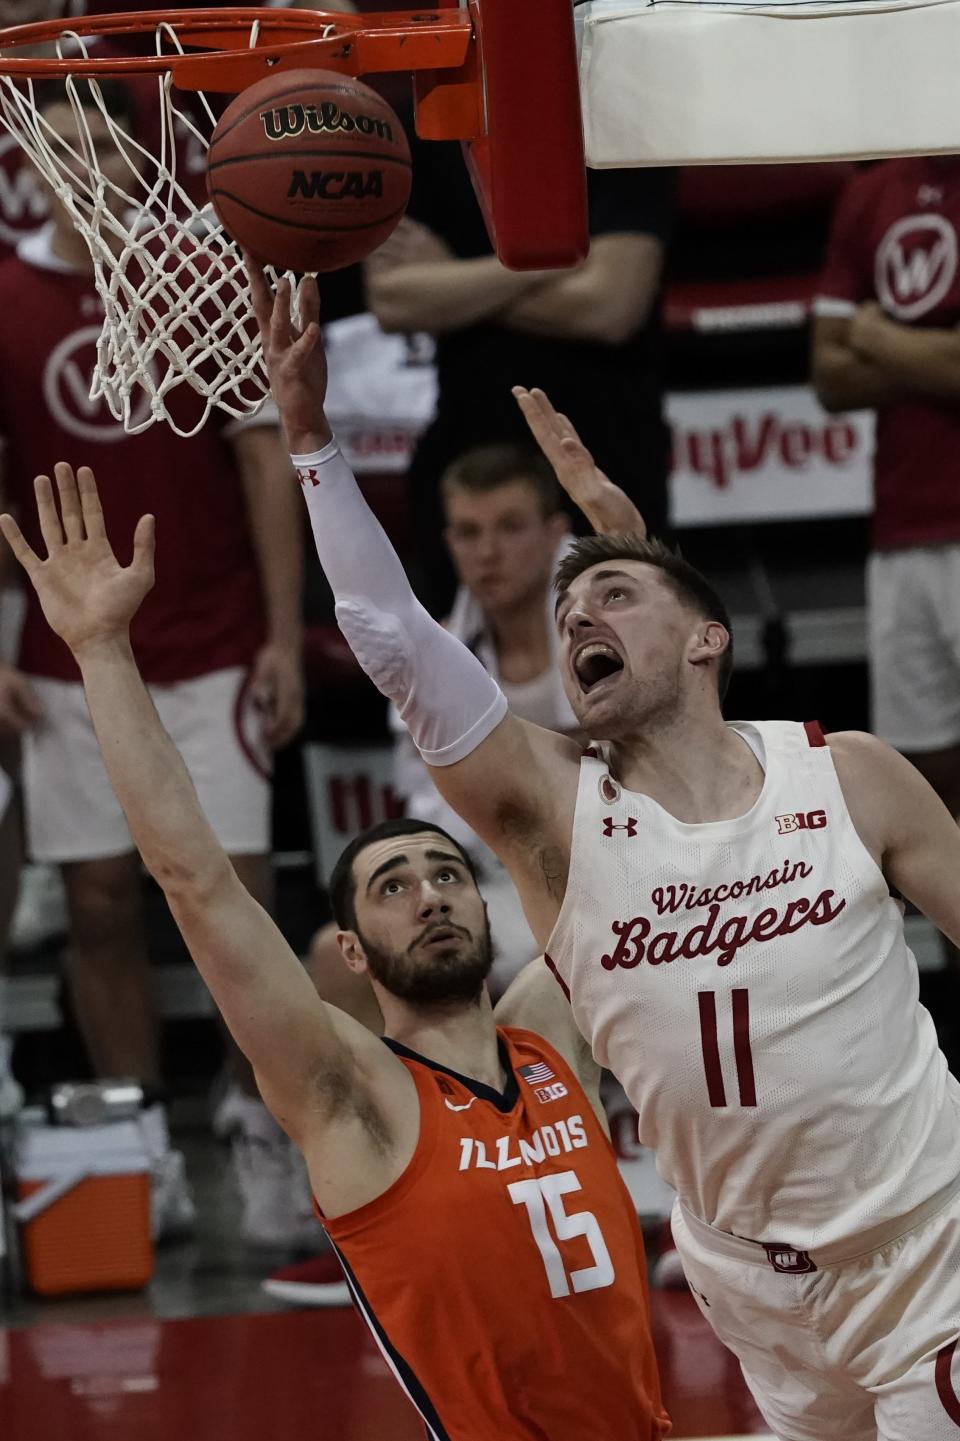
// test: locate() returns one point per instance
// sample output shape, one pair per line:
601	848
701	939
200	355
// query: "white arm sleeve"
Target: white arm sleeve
446	699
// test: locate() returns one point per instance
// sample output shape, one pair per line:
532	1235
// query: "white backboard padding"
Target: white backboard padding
689	84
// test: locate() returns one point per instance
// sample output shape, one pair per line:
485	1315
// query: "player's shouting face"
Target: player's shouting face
631	649
421	924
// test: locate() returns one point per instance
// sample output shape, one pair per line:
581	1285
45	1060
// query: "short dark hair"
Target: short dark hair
683	579
487	467
116	97
342	887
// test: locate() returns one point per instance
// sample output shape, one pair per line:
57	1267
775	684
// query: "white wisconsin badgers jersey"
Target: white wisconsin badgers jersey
749	983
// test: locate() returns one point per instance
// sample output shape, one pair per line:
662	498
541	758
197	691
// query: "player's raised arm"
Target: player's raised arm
609	510
318	1070
514	783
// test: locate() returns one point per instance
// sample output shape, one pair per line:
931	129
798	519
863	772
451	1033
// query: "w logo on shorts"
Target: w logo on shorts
787	1260
630	826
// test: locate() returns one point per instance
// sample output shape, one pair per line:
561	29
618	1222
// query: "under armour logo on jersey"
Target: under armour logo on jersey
787	1260
630	826
308	475
801	821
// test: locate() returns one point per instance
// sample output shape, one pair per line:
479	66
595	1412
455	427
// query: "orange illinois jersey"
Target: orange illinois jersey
503	1274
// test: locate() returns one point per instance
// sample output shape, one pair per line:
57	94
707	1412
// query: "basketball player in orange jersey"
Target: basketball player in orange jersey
463	1172
715	898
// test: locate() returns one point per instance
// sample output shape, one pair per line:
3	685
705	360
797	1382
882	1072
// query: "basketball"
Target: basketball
309	170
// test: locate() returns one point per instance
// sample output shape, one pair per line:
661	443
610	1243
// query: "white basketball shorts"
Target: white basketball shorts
867	1349
913	616
71	811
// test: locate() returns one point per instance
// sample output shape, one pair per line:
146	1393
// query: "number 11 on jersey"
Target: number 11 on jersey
710	1043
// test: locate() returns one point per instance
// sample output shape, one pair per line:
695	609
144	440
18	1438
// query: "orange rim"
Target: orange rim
354	44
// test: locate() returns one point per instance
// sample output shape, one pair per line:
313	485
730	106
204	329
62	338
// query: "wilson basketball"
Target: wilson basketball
309	170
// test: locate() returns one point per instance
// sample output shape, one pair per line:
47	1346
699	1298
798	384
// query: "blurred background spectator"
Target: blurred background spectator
885	337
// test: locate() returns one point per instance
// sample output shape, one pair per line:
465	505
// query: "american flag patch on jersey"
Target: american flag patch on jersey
537	1073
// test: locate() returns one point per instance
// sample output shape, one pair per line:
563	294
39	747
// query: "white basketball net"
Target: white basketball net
173	284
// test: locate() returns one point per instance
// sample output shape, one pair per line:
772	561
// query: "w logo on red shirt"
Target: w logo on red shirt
630	826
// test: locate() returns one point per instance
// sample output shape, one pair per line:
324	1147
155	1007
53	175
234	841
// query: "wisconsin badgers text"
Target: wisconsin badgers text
718	935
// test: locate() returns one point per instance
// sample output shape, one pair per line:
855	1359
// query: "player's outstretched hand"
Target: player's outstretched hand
87	596
605	505
294	357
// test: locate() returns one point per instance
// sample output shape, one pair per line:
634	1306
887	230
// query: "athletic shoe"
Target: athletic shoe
667	1273
277	1209
172	1212
312	1283
11	1092
41	910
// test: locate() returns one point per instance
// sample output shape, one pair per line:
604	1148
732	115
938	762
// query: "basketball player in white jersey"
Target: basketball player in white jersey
716	899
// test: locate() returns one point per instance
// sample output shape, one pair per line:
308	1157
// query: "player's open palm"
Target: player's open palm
609	510
86	594
294	355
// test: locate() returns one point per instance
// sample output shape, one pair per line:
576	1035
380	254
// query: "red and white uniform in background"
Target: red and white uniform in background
205	611
749	983
895	240
204	617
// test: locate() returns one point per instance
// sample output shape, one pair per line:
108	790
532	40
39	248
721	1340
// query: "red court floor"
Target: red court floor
286	1376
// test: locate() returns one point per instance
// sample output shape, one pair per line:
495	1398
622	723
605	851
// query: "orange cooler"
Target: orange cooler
83	1205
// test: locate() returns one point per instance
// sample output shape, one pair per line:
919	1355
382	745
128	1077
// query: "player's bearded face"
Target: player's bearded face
432	973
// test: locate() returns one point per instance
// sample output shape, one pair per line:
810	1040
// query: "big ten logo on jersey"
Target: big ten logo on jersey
23	203
916	265
800	821
68	380
544	1082
557	1139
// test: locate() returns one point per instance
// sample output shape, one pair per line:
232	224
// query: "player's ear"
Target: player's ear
352	951
710	641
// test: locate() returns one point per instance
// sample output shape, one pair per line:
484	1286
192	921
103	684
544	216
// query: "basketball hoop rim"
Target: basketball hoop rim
324	39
